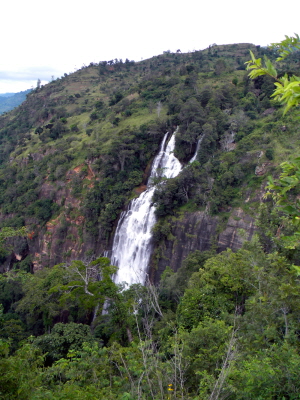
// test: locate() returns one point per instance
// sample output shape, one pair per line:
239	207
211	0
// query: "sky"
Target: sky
41	40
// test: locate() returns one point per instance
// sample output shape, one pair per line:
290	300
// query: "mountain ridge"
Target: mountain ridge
78	147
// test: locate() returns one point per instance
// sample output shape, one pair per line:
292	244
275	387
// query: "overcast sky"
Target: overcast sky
44	39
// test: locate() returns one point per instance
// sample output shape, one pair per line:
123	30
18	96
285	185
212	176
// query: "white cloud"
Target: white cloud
64	35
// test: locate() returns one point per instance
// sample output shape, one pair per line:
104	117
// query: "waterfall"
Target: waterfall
197	149
132	243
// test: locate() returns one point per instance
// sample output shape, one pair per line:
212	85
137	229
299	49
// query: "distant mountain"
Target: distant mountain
9	101
7	94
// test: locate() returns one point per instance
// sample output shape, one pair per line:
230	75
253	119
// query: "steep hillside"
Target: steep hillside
222	317
75	152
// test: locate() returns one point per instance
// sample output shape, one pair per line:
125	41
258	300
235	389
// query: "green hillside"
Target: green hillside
219	317
88	139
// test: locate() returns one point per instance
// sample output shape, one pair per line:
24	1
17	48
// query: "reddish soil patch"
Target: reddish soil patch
140	189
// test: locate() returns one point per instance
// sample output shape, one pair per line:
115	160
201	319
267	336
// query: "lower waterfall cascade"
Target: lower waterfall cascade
132	244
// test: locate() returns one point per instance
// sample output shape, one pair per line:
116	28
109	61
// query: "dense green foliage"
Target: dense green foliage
108	119
223	325
287	87
236	317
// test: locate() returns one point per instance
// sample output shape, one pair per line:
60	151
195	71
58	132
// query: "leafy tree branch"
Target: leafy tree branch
287	89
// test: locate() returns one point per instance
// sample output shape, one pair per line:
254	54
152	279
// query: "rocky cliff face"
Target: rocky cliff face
199	231
64	238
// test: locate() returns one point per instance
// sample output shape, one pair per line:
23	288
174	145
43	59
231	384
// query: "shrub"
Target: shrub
270	153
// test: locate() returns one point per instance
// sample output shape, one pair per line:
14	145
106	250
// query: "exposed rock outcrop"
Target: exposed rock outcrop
198	231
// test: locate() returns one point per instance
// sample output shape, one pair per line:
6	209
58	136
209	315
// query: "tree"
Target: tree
67	291
62	339
93	279
271	374
220	66
220	287
283	192
39	305
287	88
9	232
287	92
124	148
5	234
19	374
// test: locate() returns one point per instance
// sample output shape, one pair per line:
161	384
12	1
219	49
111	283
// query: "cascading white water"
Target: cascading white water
197	149
131	249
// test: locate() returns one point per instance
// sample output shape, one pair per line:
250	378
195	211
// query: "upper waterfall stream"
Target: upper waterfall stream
197	149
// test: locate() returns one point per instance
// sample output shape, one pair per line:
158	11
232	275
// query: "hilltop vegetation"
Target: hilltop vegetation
224	325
